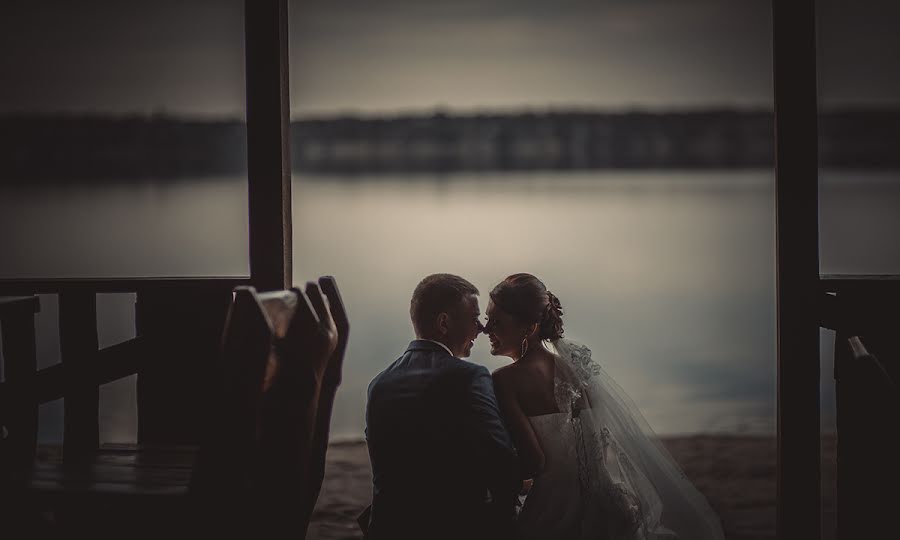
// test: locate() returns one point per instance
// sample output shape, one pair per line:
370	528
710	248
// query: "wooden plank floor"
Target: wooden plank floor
117	471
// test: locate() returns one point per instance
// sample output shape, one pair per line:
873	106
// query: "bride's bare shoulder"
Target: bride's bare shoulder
519	373
504	372
508	376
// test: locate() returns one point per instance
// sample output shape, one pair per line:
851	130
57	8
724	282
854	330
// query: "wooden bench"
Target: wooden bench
265	396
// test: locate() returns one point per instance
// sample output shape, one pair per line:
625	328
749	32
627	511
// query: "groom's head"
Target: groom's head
444	308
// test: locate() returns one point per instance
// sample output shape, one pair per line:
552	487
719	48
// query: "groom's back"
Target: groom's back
434	435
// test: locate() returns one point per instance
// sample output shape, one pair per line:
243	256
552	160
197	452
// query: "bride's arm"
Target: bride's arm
531	456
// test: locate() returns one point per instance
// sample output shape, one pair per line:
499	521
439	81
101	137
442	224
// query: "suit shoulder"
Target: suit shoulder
464	371
381	374
474	373
476	370
374	382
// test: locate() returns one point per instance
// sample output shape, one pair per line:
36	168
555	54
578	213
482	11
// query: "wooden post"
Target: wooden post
268	143
78	348
20	417
797	243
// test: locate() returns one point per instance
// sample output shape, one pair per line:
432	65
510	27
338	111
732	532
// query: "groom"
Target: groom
442	462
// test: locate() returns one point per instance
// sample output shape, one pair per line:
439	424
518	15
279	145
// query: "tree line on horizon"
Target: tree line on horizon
97	147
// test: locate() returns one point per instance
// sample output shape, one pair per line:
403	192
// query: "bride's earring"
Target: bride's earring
524	347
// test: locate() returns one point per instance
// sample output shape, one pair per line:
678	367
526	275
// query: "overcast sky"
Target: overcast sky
186	57
517	53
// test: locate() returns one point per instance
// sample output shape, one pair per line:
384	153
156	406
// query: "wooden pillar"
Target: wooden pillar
268	143
20	411
796	180
78	348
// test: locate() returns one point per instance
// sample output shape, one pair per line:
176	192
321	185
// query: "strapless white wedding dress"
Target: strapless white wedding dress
548	510
606	475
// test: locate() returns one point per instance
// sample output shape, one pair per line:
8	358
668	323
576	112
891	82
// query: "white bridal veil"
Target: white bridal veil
630	486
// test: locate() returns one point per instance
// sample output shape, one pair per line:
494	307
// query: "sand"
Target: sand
736	473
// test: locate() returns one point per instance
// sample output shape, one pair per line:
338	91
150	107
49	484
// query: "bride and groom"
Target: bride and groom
455	451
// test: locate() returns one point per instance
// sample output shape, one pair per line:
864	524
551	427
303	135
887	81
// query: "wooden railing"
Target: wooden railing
178	327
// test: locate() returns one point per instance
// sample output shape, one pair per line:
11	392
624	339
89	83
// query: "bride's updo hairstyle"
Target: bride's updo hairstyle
527	299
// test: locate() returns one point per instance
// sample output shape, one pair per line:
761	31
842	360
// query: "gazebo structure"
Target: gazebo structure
179	321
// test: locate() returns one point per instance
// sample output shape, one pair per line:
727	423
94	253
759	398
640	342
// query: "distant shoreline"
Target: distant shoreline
83	147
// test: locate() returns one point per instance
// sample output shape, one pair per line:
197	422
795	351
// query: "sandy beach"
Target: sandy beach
736	473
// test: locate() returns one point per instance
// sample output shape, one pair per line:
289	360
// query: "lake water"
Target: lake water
667	276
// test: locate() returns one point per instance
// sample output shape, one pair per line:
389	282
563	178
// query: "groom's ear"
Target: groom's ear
443	323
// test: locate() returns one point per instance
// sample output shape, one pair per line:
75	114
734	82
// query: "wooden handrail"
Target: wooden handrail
851	303
859	283
114	285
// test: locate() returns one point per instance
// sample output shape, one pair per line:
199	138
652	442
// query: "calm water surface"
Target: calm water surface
667	276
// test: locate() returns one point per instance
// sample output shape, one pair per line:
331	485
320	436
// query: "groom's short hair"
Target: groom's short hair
437	293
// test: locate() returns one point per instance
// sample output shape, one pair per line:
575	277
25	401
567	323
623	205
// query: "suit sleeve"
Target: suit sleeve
492	442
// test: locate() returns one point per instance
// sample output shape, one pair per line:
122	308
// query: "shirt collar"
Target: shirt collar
441	344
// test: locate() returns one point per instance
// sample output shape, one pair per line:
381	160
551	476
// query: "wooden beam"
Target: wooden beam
78	348
268	143
797	273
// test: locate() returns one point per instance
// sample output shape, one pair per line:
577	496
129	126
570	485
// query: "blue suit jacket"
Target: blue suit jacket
442	461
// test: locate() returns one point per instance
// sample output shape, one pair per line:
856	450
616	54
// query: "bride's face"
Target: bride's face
504	331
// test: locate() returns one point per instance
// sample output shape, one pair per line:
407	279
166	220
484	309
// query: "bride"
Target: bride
598	470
